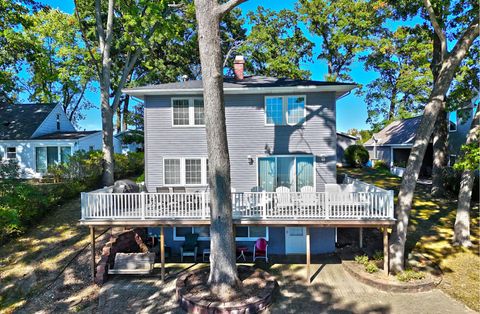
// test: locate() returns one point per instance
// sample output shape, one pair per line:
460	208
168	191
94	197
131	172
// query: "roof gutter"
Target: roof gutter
142	92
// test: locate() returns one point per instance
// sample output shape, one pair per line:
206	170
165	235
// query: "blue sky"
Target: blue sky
351	110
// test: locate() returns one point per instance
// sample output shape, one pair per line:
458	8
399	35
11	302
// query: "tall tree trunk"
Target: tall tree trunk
440	153
462	221
125	113
223	269
393	104
118	120
434	106
105	42
440	138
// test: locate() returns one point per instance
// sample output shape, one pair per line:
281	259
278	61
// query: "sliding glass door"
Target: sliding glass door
293	172
51	155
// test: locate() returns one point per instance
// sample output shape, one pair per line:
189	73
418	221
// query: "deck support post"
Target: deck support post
162	252
92	248
360	235
385	251
307	237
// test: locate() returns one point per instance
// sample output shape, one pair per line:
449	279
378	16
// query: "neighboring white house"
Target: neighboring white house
38	135
131	141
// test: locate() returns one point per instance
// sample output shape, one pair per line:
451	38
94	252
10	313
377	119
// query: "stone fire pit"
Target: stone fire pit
194	295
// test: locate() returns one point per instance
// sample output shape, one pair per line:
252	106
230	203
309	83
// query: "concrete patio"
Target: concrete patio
332	291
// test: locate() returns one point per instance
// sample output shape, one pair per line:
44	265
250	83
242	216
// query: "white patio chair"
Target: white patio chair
308	199
284	199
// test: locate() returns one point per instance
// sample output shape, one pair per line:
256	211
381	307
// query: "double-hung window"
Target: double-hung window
185	171
284	110
11	152
187	112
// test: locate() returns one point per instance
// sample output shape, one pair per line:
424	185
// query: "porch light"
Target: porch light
250	160
322	158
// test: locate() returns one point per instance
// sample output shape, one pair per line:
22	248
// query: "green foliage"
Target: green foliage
470	157
9	169
347	28
381	165
402	59
361	259
128	165
378	256
22	203
371	267
356	155
140	178
409	275
60	71
452	178
276	45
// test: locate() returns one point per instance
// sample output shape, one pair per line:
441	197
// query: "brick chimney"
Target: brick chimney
238	67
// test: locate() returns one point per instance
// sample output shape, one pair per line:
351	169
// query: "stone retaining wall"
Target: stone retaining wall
129	241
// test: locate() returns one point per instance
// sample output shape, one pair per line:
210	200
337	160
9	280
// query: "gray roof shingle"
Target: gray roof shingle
248	81
66	135
19	121
397	132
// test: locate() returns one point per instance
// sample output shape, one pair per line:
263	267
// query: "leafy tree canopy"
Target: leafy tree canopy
276	45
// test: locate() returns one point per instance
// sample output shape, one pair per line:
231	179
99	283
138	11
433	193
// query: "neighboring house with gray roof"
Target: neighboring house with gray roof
343	142
394	142
39	135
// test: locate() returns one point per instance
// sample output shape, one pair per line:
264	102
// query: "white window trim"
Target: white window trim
183	172
285	110
6	153
180	238
306	155
191	112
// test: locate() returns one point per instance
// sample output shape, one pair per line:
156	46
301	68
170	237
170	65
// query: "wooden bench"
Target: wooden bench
133	264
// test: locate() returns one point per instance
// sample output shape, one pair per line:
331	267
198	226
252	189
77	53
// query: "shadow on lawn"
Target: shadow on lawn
430	229
30	264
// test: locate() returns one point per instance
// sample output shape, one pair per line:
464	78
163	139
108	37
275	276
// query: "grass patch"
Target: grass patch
430	233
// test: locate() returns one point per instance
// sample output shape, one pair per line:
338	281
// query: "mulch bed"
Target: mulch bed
390	284
255	295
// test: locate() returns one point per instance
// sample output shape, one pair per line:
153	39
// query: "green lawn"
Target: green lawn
429	235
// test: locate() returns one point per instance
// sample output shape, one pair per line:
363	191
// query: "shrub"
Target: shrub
378	256
381	165
361	259
371	267
141	178
356	155
409	275
9	169
128	165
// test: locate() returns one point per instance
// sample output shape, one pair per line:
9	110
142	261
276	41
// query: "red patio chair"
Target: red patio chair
260	249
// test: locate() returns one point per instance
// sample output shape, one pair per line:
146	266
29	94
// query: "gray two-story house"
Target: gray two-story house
282	144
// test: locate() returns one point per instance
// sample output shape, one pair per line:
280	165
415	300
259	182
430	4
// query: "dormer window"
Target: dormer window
58	122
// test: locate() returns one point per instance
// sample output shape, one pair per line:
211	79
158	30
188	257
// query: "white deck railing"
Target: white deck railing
246	205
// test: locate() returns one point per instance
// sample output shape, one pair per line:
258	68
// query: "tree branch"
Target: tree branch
228	6
436	26
464	43
84	36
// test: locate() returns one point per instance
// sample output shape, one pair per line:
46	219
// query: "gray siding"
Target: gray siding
247	135
459	137
322	241
383	153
